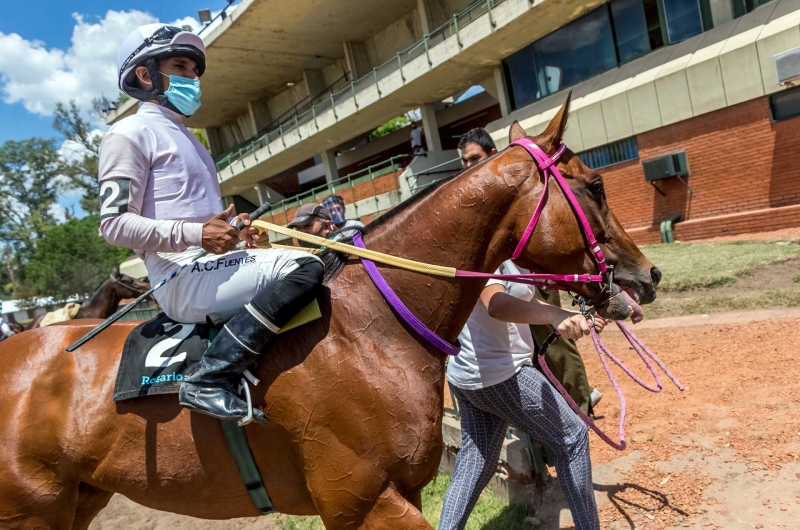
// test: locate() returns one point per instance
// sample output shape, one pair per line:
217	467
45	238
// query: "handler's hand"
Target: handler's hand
573	327
249	234
600	323
218	236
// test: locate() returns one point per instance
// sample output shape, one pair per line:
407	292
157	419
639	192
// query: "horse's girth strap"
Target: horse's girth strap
240	449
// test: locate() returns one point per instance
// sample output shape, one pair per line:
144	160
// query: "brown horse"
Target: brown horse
104	301
354	399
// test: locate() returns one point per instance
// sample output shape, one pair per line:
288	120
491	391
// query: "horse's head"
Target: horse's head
127	286
558	244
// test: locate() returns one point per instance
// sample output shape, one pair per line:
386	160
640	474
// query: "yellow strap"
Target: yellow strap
417	266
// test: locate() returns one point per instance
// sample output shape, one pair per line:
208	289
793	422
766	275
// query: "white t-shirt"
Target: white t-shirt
492	351
158	184
416	137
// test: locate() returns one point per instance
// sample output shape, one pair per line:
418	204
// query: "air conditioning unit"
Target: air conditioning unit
672	165
787	66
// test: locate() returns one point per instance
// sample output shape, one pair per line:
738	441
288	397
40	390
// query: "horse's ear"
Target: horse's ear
554	132
516	132
115	272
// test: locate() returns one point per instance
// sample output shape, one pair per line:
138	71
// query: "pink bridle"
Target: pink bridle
547	165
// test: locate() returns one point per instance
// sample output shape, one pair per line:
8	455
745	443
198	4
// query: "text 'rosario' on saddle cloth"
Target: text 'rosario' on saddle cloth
157	356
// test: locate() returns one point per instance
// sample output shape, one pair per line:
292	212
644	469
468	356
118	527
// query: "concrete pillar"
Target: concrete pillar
314	82
432	14
430	127
329	164
214	141
502	93
267	194
356	59
258	112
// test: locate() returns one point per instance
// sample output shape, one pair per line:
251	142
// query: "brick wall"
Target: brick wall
358	192
745	172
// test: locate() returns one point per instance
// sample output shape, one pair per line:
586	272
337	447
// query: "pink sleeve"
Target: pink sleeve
124	172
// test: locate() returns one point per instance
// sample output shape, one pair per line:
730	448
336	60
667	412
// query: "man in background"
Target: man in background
562	356
334	205
416	139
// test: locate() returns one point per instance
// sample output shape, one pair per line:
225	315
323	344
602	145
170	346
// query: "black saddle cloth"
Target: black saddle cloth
160	353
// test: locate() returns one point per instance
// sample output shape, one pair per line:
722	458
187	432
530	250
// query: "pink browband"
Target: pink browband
547	165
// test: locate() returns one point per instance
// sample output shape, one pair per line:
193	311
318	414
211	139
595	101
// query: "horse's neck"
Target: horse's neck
104	298
461	224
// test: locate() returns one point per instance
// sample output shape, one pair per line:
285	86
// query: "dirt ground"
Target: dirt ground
723	454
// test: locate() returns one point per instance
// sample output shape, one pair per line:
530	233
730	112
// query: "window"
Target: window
785	104
683	19
610	154
565	57
742	7
612	34
631	30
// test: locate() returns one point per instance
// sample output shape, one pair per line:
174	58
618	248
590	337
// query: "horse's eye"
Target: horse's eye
596	187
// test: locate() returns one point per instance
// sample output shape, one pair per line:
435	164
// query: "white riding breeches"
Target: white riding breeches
216	283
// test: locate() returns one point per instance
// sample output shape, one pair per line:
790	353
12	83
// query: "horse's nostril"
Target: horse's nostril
655	275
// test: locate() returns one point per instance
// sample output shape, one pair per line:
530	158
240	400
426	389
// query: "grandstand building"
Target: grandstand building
678	103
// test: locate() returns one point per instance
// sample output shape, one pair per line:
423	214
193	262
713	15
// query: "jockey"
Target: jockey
160	196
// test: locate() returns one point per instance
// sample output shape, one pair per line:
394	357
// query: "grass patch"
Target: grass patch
705	303
796	277
490	513
689	266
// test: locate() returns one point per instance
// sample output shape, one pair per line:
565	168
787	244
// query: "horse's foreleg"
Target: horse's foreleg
90	501
393	512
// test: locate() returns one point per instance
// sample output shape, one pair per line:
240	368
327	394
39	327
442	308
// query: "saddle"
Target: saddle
160	353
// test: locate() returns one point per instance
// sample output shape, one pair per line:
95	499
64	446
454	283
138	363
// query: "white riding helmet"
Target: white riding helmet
150	42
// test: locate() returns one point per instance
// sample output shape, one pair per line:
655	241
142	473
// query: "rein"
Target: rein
547	166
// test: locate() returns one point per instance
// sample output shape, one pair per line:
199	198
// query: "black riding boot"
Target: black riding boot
212	388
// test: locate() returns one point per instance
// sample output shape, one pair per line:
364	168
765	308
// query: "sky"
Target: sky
60	50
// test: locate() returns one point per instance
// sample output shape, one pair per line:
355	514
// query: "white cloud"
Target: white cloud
73	151
39	77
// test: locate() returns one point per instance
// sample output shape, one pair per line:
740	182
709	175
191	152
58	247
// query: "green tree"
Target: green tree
72	258
30	180
389	127
81	168
201	135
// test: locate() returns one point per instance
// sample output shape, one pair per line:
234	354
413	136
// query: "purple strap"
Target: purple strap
400	308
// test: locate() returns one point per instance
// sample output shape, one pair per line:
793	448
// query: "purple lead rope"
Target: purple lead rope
395	303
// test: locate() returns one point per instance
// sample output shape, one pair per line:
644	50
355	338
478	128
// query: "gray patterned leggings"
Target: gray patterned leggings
529	403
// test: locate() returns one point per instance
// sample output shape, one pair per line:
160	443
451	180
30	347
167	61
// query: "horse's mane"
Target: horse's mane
335	261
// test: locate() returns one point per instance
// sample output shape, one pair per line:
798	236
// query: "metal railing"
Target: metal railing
284	121
292	125
341	186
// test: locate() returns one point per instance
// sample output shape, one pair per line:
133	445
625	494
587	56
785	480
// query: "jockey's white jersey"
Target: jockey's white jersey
158	184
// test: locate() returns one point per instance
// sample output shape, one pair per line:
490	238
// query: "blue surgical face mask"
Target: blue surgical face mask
184	93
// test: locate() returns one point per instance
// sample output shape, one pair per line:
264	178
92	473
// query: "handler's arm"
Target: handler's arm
124	172
507	308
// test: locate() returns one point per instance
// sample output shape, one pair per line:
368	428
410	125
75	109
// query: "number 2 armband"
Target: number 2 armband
114	195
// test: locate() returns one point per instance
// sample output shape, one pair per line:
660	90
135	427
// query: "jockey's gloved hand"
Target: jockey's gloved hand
220	237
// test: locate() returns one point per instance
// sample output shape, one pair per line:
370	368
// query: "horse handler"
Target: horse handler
495	384
563	357
160	196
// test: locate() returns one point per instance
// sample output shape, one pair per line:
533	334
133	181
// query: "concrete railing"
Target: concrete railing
292	123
